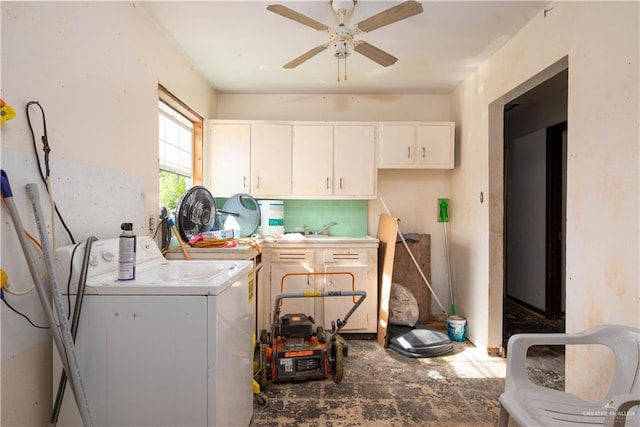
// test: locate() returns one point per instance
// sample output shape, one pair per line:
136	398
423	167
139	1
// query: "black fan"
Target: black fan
195	212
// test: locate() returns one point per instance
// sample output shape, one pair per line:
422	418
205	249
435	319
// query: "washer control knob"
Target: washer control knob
93	260
107	256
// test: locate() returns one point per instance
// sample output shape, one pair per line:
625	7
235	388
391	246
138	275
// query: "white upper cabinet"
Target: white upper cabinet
271	149
436	142
315	160
312	160
228	158
425	145
354	161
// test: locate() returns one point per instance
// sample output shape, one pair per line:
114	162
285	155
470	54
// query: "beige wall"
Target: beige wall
599	42
409	195
95	68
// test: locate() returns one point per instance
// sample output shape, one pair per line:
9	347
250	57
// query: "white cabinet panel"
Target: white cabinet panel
397	145
312	160
435	145
296	283
270	159
337	307
354	161
228	154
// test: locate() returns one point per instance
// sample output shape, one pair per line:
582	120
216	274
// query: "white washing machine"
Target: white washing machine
171	348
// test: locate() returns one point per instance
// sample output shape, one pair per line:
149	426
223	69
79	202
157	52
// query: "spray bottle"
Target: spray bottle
127	253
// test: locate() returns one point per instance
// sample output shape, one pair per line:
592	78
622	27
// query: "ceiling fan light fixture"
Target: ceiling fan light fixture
342	49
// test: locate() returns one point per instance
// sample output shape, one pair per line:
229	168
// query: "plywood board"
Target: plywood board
387	231
406	273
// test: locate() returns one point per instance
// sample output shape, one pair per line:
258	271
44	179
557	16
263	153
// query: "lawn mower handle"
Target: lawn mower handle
322	294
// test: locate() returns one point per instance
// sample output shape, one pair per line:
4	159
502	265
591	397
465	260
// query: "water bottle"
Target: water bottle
127	253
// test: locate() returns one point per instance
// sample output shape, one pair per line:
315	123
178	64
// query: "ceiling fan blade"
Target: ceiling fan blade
375	54
394	14
297	16
305	57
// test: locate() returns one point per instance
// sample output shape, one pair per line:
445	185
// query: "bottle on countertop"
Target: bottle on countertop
127	253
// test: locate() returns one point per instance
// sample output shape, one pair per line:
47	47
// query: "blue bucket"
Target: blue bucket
457	328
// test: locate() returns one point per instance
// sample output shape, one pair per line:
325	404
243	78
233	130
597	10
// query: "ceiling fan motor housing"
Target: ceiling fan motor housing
342	49
342	38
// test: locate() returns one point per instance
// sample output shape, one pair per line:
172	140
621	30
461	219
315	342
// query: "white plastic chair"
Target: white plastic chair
533	405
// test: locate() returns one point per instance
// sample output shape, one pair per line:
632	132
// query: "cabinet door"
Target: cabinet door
354	161
312	160
397	145
270	159
338	307
303	283
435	145
229	158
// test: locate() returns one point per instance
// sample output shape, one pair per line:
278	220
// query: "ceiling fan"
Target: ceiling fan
342	37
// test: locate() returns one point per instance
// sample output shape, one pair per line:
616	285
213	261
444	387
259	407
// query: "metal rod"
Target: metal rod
446	249
82	281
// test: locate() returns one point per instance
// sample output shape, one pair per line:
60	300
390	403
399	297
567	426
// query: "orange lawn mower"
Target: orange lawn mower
296	351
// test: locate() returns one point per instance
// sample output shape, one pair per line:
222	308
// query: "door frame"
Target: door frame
555	194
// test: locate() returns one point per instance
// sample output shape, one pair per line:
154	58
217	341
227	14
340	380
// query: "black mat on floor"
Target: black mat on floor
418	341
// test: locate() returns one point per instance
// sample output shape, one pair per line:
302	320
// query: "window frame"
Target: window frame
174	102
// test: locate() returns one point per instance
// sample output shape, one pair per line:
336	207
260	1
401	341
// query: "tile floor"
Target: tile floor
381	388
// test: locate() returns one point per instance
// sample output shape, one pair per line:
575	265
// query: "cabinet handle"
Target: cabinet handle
408	152
327	183
341	183
244	182
258	182
424	152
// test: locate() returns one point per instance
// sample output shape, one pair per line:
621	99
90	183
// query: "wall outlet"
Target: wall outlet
152	223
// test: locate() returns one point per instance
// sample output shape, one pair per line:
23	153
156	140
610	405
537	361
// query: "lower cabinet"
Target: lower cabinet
297	267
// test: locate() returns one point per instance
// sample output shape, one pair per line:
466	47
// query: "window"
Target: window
179	149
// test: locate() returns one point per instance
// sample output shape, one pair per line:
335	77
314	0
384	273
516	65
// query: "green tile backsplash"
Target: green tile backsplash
351	216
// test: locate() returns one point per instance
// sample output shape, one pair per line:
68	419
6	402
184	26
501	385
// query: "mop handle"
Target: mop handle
67	339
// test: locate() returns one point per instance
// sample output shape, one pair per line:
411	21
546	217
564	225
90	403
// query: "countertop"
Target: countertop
292	240
240	252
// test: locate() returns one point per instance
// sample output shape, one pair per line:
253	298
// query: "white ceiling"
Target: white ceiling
241	47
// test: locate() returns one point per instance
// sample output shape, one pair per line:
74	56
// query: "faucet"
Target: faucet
325	228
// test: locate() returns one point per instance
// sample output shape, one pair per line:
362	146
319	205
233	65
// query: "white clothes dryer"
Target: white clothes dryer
171	348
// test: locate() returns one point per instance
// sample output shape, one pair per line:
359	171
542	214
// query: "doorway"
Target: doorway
535	138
